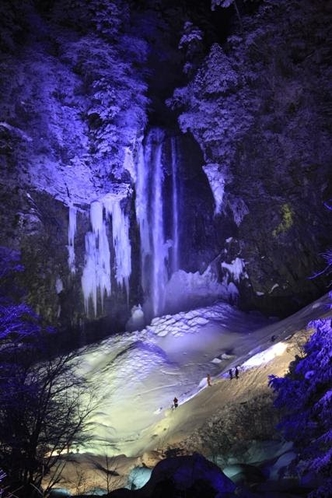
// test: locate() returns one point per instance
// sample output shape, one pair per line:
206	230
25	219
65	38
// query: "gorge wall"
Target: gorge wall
151	163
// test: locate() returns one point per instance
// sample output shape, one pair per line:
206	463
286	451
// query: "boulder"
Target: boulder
194	475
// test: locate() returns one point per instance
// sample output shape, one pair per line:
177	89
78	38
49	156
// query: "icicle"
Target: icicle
97	271
58	285
71	238
96	279
96	216
216	176
121	240
89	277
128	163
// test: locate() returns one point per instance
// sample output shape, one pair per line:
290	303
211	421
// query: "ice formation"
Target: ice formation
71	238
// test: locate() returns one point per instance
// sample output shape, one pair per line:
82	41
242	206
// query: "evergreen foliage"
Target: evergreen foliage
305	397
74	93
212	106
264	97
259	107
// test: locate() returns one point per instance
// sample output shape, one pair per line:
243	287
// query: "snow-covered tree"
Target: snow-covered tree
191	43
305	397
212	107
261	93
74	93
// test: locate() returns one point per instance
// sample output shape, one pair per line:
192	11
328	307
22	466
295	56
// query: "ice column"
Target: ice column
96	279
121	240
175	206
216	176
142	209
97	271
150	215
160	250
71	238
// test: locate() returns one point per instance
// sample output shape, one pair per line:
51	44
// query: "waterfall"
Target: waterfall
175	206
157	198
160	253
150	212
142	210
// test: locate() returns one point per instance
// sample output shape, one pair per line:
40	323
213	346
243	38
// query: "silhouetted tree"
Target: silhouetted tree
41	409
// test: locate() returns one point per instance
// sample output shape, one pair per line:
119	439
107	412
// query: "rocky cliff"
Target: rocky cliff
232	202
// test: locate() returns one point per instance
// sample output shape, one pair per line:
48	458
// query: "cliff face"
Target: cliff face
244	184
259	107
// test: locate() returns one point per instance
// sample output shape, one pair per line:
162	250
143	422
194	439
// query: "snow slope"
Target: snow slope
136	375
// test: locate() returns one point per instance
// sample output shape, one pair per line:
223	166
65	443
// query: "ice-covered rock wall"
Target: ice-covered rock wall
124	202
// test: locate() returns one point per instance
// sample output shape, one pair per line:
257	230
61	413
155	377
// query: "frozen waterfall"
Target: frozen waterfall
71	238
121	241
175	206
97	271
153	212
105	216
108	252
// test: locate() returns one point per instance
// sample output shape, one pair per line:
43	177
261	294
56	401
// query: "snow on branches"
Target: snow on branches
305	396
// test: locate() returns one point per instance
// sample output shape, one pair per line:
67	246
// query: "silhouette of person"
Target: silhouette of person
230	373
236	372
208	378
175	402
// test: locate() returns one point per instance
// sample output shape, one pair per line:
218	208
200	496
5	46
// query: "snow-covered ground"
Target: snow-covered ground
136	375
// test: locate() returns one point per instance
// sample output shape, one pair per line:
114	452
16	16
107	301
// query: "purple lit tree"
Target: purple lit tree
41	413
107	60
305	396
213	106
